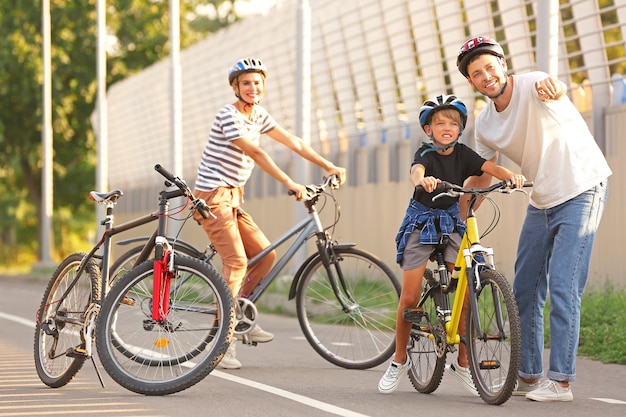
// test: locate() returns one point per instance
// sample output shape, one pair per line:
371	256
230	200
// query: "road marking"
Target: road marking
608	400
329	408
20	320
288	395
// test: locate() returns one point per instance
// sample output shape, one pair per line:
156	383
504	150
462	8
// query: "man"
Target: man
530	119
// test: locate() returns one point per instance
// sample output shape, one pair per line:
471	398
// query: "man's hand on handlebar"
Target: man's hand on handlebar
517	181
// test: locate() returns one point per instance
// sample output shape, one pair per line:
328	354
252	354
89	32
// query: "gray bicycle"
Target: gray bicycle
346	298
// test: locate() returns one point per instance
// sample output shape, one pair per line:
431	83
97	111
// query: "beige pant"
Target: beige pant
236	238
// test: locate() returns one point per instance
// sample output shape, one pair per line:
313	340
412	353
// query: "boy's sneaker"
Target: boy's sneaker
465	376
523	388
258	335
551	391
390	381
229	361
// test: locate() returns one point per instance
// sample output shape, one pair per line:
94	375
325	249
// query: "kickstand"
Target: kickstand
97	371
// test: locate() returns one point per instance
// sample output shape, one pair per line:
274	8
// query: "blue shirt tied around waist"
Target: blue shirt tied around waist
419	216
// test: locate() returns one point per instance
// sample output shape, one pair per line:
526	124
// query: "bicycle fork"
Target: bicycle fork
335	276
163	274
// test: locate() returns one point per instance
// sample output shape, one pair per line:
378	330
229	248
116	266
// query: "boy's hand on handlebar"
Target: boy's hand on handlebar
429	183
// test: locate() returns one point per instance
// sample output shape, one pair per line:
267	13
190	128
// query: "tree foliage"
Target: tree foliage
139	33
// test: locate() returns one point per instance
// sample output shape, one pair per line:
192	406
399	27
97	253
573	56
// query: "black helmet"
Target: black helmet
246	65
433	105
476	46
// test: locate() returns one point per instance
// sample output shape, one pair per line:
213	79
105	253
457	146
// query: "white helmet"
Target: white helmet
246	65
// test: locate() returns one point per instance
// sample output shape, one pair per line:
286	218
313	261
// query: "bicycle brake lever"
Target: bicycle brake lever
203	208
333	181
447	194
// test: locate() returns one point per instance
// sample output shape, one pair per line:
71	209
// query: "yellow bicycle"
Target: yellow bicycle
493	337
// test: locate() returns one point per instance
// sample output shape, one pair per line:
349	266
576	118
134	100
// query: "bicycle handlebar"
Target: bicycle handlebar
314	190
452	190
198	203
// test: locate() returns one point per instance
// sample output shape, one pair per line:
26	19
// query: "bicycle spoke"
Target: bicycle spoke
361	335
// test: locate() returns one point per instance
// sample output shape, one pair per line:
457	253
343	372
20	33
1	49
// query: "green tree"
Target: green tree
140	29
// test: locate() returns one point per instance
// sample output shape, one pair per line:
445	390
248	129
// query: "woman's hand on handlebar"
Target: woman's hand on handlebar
339	172
298	190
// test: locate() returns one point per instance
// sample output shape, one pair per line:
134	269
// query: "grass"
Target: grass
602	330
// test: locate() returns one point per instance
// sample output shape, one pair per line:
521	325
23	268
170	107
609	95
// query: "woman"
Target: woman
232	151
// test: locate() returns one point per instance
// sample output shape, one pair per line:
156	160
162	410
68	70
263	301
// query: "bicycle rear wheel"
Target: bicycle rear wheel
361	336
494	348
427	343
60	320
154	358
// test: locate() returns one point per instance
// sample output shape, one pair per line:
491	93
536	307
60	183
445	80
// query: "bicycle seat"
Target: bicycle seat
110	196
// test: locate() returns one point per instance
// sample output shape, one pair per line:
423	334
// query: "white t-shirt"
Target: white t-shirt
223	164
550	142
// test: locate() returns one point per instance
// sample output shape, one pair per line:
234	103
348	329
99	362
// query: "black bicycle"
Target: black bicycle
160	329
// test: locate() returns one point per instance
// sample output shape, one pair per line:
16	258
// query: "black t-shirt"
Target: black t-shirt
454	168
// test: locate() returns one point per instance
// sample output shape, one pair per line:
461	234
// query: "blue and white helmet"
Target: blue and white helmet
433	105
246	65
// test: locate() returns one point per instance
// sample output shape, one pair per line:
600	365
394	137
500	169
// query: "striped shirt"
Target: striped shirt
223	164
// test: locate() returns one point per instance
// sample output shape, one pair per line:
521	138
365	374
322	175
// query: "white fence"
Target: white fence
373	63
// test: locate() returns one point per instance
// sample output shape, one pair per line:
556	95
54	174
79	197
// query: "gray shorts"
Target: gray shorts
416	253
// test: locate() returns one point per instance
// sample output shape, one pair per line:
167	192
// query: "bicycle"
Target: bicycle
493	335
184	310
346	298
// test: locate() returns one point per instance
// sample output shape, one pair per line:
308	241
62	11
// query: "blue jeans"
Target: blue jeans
553	254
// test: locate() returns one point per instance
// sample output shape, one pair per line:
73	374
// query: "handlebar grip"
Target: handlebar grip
528	184
181	184
442	187
204	210
164	172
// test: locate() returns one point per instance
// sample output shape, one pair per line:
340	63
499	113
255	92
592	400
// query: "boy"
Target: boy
443	119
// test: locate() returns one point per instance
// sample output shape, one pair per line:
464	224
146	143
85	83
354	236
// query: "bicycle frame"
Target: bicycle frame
463	271
470	245
304	228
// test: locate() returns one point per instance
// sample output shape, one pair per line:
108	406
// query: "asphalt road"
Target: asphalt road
282	378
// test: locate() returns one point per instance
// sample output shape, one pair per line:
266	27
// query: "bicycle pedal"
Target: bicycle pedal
413	315
422	328
489	364
129	301
77	352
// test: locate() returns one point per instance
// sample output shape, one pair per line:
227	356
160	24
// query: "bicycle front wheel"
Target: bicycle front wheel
163	357
360	333
427	346
128	259
494	338
59	341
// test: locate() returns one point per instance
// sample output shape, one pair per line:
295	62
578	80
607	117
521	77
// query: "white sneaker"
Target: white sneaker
523	388
465	376
551	391
229	361
258	335
390	381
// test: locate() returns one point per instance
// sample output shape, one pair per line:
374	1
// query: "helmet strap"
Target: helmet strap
432	147
246	104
